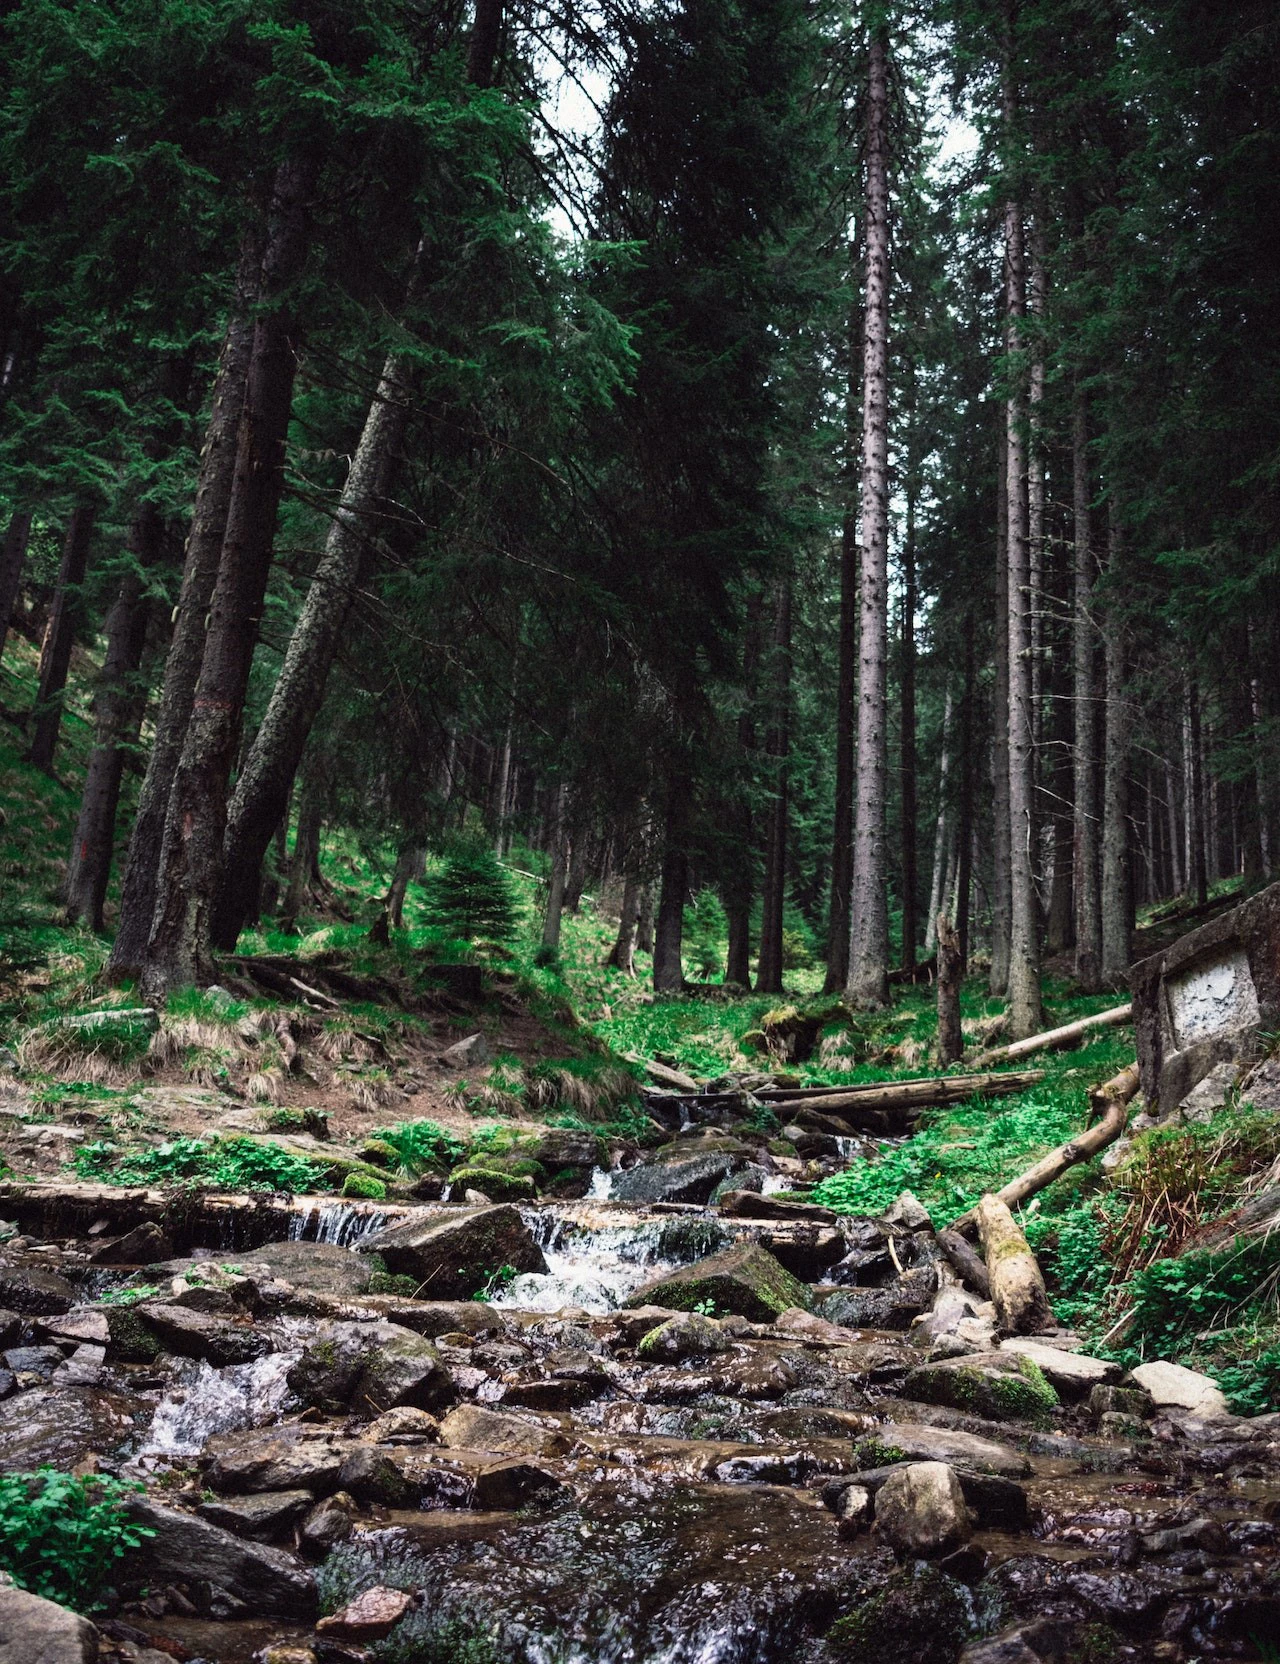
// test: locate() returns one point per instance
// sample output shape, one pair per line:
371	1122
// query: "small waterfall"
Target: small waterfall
341	1223
849	1148
594	1260
207	1401
774	1182
601	1185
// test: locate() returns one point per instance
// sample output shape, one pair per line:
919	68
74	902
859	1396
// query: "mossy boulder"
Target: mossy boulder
745	1281
455	1257
493	1182
688	1336
914	1616
998	1385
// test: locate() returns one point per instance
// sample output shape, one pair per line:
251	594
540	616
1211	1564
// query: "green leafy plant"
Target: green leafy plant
60	1536
419	1145
221	1164
501	1279
129	1296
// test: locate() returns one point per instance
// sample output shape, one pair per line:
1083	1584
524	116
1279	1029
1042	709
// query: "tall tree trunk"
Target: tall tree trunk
940	830
1178	879
868	983
966	829
1193	795
1116	899
644	920
950	978
500	794
739	882
773	898
118	707
622	955
998	981
1025	1012
186	646
306	852
1059	926
178	951
576	878
410	864
60	635
1036	485
12	555
907	686
668	936
1084	757
559	870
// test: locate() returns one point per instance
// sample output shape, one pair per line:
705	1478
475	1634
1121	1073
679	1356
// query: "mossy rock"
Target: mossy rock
745	1281
385	1282
917	1616
131	1340
992	1384
364	1186
379	1153
492	1182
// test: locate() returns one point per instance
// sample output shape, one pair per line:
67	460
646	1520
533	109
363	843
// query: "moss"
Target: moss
131	1341
494	1183
780	1147
364	1185
380	1153
915	1617
387	1282
871	1453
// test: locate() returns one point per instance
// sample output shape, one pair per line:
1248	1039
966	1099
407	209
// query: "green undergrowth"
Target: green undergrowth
60	1536
218	1164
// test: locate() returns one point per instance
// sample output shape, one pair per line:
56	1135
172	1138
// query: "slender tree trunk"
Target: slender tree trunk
1085	780
500	795
559	871
306	853
769	968
178	951
668	937
1116	900
1177	869
60	636
998	981
186	646
1036	487
868	984
576	879
950	978
622	955
907	685
1025	1014
12	556
739	883
964	877
410	865
645	920
1059	928
846	760
118	708
1193	796
940	830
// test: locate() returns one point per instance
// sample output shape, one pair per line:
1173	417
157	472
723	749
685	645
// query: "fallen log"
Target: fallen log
1110	1102
967	1265
671	1079
1017	1287
1054	1039
907	1094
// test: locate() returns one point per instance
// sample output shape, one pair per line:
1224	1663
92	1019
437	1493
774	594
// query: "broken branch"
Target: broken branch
1054	1039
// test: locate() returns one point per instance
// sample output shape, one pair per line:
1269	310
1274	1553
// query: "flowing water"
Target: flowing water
205	1401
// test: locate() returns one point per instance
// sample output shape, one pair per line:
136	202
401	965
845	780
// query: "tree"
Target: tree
470	896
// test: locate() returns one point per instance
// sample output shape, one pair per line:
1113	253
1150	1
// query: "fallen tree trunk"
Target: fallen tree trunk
1054	1039
908	1094
1110	1102
966	1264
1017	1288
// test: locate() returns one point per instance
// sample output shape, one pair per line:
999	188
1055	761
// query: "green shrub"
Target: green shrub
218	1164
60	1536
471	896
364	1186
418	1145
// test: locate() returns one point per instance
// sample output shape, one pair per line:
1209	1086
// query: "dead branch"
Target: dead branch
1055	1039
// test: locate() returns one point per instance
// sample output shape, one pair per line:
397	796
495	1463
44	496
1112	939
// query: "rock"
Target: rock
745	1204
998	1385
471	1427
404	1423
262	1515
1209	1095
685	1177
476	1198
369	1368
329	1522
1127	1401
1073	1375
494	1184
809	1326
83	1368
1262	1087
430	1477
897	1441
60	1426
33	1292
855	1507
433	1318
921	1512
688	1336
749	1178
227	1576
12	1327
36	1631
197	1334
312	1267
290	1456
468	1053
33	1364
908	1213
428	1187
369	1617
561	1148
1174	1388
144	1243
80	1326
1012	1646
895	1306
453	1258
745	1279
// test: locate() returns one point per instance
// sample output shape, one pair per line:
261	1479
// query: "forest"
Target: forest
640	637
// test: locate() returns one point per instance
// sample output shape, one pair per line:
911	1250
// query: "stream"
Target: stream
519	1480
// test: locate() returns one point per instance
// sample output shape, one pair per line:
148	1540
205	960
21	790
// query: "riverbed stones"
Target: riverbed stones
370	1367
473	1427
36	1631
746	1204
371	1616
1072	1375
493	1182
998	1385
289	1456
454	1258
921	1512
329	1523
33	1292
678	1175
895	1306
224	1575
745	1280
897	1441
197	1334
60	1426
691	1335
1173	1387
261	1515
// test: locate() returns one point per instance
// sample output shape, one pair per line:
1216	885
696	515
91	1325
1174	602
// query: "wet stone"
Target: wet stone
687	1177
330	1522
288	1457
262	1516
921	1511
471	1427
228	1576
893	1306
37	1631
60	1426
688	1336
369	1368
997	1385
197	1334
454	1257
746	1280
371	1616
33	1292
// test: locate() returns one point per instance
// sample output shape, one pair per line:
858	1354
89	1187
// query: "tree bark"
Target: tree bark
178	951
668	963
1025	1014
1017	1288
118	706
559	871
306	853
907	750
773	897
644	920
1193	795
950	977
839	925
1117	906
622	955
1055	1039
998	981
59	637
186	646
924	1093
966	830
940	840
868	981
12	556
410	863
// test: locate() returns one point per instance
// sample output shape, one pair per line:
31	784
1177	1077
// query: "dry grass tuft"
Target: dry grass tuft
371	1092
265	1087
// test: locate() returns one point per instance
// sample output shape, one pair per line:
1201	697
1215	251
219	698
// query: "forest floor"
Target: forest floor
240	1088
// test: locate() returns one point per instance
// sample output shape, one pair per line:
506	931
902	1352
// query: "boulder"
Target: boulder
454	1257
746	1280
998	1385
471	1427
404	1423
895	1306
688	1336
1209	1095
561	1149
1123	1401
197	1334
682	1177
897	1441
81	1327
1072	1375
226	1576
33	1292
36	1631
1172	1387
136	1247
468	1053
908	1213
60	1426
433	1318
430	1477
312	1267
330	1522
371	1616
370	1367
264	1514
493	1182
921	1512
291	1456
751	1177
